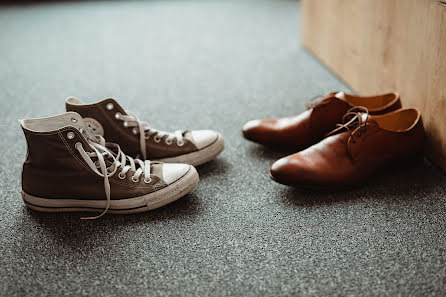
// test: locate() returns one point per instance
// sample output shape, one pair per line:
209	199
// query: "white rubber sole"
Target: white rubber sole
143	203
201	156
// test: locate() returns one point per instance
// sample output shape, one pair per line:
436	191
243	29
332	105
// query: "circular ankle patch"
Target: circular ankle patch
94	125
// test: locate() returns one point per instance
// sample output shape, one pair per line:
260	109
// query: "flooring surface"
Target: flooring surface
191	65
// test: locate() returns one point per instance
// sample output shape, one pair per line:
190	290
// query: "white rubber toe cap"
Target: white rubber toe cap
203	138
174	171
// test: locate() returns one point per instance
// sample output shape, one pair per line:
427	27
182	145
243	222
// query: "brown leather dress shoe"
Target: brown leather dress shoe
355	150
310	127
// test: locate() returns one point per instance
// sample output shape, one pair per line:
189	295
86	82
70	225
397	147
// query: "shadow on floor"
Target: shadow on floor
65	224
393	186
69	229
214	168
266	153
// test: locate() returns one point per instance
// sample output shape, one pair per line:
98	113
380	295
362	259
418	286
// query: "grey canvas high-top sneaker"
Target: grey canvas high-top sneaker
108	119
68	168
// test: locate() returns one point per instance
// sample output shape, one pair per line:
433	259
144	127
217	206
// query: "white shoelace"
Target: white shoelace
131	120
119	163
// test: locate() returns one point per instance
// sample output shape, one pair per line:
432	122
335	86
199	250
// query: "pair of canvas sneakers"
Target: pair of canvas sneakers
100	158
341	140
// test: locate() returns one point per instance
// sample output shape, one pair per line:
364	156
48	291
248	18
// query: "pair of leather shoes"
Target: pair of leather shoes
342	139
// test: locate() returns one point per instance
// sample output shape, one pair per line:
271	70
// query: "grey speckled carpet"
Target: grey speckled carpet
202	64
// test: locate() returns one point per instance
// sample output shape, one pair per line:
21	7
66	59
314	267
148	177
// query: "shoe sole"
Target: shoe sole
143	203
199	157
402	163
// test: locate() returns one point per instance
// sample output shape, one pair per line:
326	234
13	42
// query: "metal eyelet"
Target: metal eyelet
77	145
148	181
168	141
135	131
97	164
180	143
121	176
133	179
157	138
125	124
117	115
109	106
70	135
74	120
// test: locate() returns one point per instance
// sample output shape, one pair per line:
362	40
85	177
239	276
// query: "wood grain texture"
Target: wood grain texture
386	45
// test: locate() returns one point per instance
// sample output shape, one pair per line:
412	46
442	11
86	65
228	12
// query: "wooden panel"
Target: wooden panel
383	45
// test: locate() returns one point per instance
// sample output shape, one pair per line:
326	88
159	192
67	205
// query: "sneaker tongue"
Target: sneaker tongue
78	122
